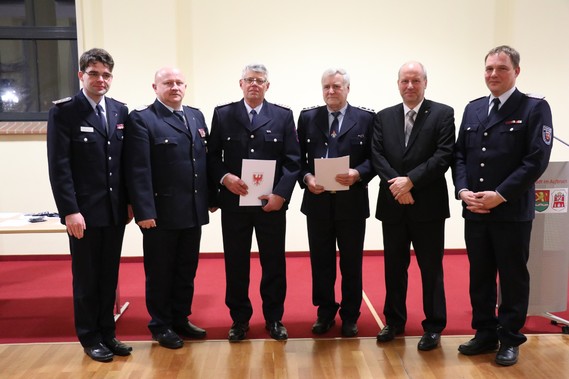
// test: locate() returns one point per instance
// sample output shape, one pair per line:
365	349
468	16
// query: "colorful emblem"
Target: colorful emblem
547	134
541	199
257	178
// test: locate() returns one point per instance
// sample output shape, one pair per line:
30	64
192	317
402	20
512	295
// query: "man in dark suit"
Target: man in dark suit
165	164
84	148
253	128
503	147
330	131
411	150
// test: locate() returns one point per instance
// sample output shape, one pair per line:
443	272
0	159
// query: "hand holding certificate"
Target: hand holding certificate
325	171
259	176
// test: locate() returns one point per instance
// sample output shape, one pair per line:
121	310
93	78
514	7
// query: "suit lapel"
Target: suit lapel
192	123
509	106
322	121
112	116
347	123
169	117
89	115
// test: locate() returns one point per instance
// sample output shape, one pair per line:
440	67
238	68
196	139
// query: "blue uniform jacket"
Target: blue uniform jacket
506	154
84	164
165	167
233	139
354	140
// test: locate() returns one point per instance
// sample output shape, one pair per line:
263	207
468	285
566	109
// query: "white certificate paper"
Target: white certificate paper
325	171
259	176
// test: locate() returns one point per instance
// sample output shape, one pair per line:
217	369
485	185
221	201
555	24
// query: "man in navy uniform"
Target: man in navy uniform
503	147
334	130
165	167
253	128
84	147
412	150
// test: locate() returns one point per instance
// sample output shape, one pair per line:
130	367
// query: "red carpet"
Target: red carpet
36	304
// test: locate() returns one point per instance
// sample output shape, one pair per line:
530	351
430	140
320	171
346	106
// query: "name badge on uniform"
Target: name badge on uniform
87	129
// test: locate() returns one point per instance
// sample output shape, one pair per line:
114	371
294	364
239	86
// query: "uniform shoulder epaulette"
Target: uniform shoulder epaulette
118	101
481	97
364	109
535	96
309	108
62	101
189	106
141	108
225	104
282	106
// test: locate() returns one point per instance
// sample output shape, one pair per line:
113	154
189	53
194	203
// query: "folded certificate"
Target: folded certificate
259	176
325	171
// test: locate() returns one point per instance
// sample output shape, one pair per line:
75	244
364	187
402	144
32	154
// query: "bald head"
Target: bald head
170	86
412	82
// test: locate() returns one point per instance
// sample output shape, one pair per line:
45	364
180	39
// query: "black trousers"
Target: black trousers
322	237
170	264
95	260
499	249
237	230
428	243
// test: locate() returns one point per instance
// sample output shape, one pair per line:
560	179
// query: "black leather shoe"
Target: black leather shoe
276	330
429	341
389	332
238	331
507	355
321	325
99	353
168	339
349	329
189	330
117	347
478	346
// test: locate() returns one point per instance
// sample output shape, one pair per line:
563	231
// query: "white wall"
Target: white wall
212	40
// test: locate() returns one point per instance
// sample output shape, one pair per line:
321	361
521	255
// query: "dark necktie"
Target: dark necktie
180	115
494	109
253	117
102	118
332	141
409	122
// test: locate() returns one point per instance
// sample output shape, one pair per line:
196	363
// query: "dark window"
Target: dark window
38	56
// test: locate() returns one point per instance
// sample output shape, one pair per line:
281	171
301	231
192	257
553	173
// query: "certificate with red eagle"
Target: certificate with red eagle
259	176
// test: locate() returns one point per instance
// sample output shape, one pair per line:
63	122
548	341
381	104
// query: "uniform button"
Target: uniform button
85	139
111	189
325	143
228	138
511	129
110	174
275	140
108	142
166	141
252	150
196	175
481	180
481	164
485	134
196	191
110	158
308	140
468	128
252	136
483	149
361	143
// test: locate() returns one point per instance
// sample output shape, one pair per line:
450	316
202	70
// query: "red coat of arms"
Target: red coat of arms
257	178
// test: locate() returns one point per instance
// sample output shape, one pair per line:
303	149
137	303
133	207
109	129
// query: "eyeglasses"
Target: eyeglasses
96	75
259	81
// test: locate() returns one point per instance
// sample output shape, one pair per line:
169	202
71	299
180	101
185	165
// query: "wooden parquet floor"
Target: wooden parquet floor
543	356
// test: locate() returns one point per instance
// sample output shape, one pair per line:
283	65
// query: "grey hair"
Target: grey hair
334	71
255	67
509	51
